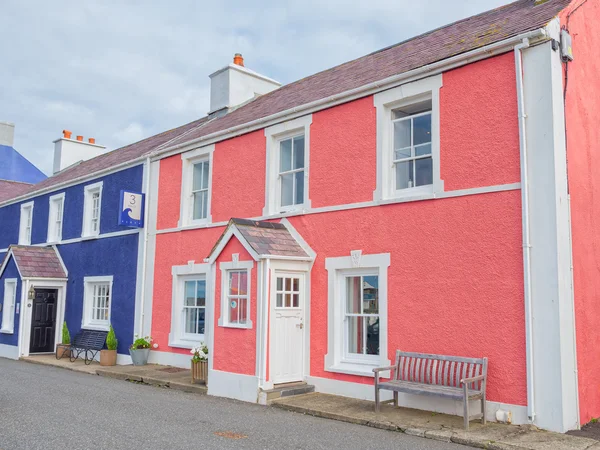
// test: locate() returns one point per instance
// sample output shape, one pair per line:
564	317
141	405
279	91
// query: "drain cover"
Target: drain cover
230	435
172	369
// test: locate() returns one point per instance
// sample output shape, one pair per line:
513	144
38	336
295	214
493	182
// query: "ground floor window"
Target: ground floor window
357	313
8	306
97	302
235	294
188	316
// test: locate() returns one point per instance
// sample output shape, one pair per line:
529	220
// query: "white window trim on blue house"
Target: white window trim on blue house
26	223
88	228
89	283
8	306
56	208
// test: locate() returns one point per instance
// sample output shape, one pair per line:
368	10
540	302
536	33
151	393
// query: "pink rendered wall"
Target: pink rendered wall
169	193
235	349
583	153
479	125
343	144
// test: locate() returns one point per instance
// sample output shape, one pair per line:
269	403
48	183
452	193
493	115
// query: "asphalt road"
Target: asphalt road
50	408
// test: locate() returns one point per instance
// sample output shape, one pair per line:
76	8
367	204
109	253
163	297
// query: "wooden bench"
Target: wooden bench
87	341
451	377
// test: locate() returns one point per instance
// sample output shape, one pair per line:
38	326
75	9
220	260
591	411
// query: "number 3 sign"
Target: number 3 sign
132	209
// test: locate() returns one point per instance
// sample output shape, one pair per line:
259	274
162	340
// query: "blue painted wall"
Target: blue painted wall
15	167
129	179
10	272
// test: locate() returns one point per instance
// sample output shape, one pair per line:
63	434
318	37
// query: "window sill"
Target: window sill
89	236
199	223
245	326
185	343
357	368
7	331
95	327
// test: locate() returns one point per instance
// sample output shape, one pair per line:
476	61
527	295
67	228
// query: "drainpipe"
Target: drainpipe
526	229
145	245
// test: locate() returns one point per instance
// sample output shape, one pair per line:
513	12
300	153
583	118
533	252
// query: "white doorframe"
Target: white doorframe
298	267
25	310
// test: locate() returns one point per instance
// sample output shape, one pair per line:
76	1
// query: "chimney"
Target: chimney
7	134
69	151
235	84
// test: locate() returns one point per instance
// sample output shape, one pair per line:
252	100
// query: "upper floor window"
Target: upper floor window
26	223
287	187
55	217
196	181
97	302
92	209
408	140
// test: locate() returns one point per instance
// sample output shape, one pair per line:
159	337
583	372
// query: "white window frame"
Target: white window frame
89	190
225	268
26	223
338	269
385	103
178	337
186	208
274	135
88	297
53	205
8	307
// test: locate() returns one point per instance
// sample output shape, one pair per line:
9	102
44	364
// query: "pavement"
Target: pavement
44	407
440	427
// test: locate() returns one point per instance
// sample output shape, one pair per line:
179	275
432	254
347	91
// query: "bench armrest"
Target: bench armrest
472	380
383	369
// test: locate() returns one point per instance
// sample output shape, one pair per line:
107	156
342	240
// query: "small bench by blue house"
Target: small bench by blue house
451	377
88	343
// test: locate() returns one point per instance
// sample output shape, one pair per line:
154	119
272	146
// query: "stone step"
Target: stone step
286	390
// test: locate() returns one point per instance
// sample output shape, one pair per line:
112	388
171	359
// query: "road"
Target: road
44	407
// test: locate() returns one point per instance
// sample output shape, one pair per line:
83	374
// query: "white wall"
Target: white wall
68	152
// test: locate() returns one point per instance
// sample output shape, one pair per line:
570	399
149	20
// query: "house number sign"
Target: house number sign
132	209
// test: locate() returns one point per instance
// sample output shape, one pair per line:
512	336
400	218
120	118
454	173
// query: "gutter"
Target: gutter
145	245
526	230
362	91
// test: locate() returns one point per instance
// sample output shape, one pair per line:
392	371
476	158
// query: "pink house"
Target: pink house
416	198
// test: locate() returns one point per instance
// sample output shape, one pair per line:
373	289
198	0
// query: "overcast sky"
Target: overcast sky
122	70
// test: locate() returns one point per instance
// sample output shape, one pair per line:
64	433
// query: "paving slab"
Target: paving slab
435	426
64	363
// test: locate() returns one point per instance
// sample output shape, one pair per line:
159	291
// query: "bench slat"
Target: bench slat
428	389
441	357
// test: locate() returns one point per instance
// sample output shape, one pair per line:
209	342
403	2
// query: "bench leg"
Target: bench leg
376	399
483	419
466	406
395	399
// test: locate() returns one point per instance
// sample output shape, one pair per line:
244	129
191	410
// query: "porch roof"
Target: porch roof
262	240
36	262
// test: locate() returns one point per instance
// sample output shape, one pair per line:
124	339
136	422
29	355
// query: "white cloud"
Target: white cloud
123	70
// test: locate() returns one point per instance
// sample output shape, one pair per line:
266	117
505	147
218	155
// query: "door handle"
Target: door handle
300	325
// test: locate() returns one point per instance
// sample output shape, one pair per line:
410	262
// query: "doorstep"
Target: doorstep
430	425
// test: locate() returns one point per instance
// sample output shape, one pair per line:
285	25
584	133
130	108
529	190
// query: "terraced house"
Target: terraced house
436	196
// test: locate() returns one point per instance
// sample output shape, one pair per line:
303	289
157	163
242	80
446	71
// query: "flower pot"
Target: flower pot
63	351
108	357
199	372
139	356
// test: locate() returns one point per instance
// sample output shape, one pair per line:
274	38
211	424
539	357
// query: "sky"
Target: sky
123	70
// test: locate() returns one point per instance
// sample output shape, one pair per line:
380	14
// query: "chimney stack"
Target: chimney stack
235	84
7	134
69	151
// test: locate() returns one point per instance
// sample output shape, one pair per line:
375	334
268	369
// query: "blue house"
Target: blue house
72	248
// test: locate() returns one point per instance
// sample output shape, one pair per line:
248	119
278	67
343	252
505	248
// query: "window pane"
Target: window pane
234	283
243	283
288	284
285	155
191	320
404	175
296	286
402	134
371	295
299	152
423	150
287	189
422	129
279	283
233	310
201	293
372	324
356	335
204	212
190	293
288	300
198	173
424	171
403	153
200	205
205	167
299	188
353	288
243	305
296	300
279	300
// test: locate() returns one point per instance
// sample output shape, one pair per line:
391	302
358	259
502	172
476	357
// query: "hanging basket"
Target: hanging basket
199	372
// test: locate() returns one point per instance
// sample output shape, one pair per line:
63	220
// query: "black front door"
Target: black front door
43	321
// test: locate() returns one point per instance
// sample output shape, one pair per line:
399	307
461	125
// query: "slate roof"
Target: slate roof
36	262
10	189
445	42
266	238
115	157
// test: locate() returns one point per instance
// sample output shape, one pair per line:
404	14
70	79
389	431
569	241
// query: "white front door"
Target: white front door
288	298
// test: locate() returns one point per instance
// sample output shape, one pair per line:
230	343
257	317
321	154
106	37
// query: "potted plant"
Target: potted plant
64	349
140	350
109	357
200	364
